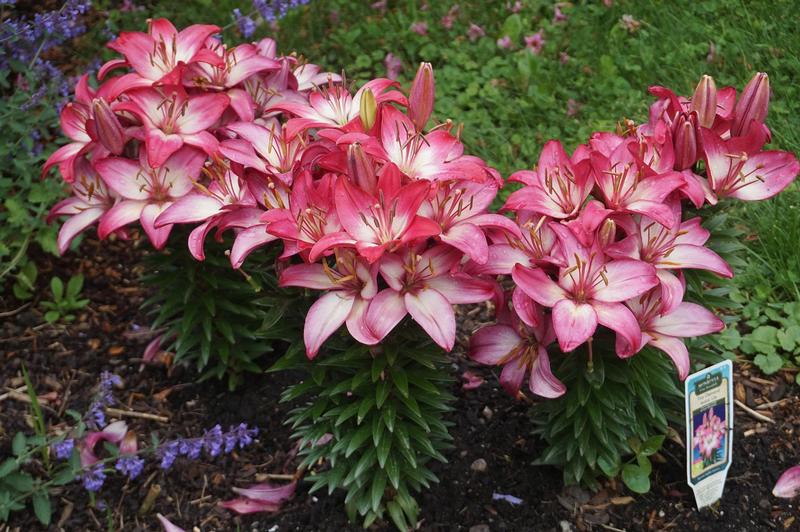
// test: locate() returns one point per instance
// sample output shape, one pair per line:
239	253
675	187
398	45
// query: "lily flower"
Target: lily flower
91	199
376	225
146	191
737	169
437	156
334	106
161	54
625	186
172	118
664	330
521	348
589	291
460	209
668	249
269	150
351	284
214	205
235	65
534	246
425	287
557	188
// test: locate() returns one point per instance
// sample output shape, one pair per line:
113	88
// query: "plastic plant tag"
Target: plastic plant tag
709	431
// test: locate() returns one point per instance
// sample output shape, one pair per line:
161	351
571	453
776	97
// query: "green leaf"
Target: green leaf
19	444
512	27
377	490
74	286
8	466
19	481
400	379
381	393
52	316
397	516
384	446
41	507
789	338
358	439
636	478
57	288
652	445
607	466
769	364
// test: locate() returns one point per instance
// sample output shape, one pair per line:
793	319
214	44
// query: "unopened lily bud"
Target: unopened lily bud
608	232
368	109
704	101
128	444
107	128
420	101
360	168
752	105
685	144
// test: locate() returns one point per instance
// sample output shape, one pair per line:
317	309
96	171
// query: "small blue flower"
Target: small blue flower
64	448
94	478
130	465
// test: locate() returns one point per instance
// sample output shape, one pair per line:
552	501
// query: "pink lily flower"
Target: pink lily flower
423	286
351	284
114	432
260	498
788	485
709	435
374	225
271	193
557	188
733	170
145	191
172	118
589	291
521	348
75	117
460	209
334	106
437	156
626	187
234	66
270	150
309	217
215	205
663	329
471	380
309	76
667	249
161	54
91	199
534	246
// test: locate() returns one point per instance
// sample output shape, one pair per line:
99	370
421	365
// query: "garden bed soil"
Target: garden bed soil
493	452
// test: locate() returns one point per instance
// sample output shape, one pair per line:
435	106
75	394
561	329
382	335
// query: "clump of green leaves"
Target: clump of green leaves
375	417
613	408
65	301
216	318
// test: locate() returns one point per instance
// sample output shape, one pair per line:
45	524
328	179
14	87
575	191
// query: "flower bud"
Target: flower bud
752	105
368	109
107	128
420	101
704	101
685	143
608	232
360	169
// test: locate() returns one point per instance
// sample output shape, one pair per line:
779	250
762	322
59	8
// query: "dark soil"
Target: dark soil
65	362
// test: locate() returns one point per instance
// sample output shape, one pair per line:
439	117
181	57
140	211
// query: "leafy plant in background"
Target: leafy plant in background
65	300
213	319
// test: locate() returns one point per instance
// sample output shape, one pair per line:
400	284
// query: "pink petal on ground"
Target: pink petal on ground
471	380
268	493
788	484
249	506
167	525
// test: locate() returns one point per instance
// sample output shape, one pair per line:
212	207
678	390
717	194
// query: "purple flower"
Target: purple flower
169	452
130	465
475	32
558	15
504	42
244	434
247	26
94	478
63	449
191	448
535	42
104	397
420	28
213	441
393	66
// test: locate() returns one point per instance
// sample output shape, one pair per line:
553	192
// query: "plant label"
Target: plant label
709	431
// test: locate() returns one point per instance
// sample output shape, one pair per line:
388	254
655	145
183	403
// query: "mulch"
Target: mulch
493	442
